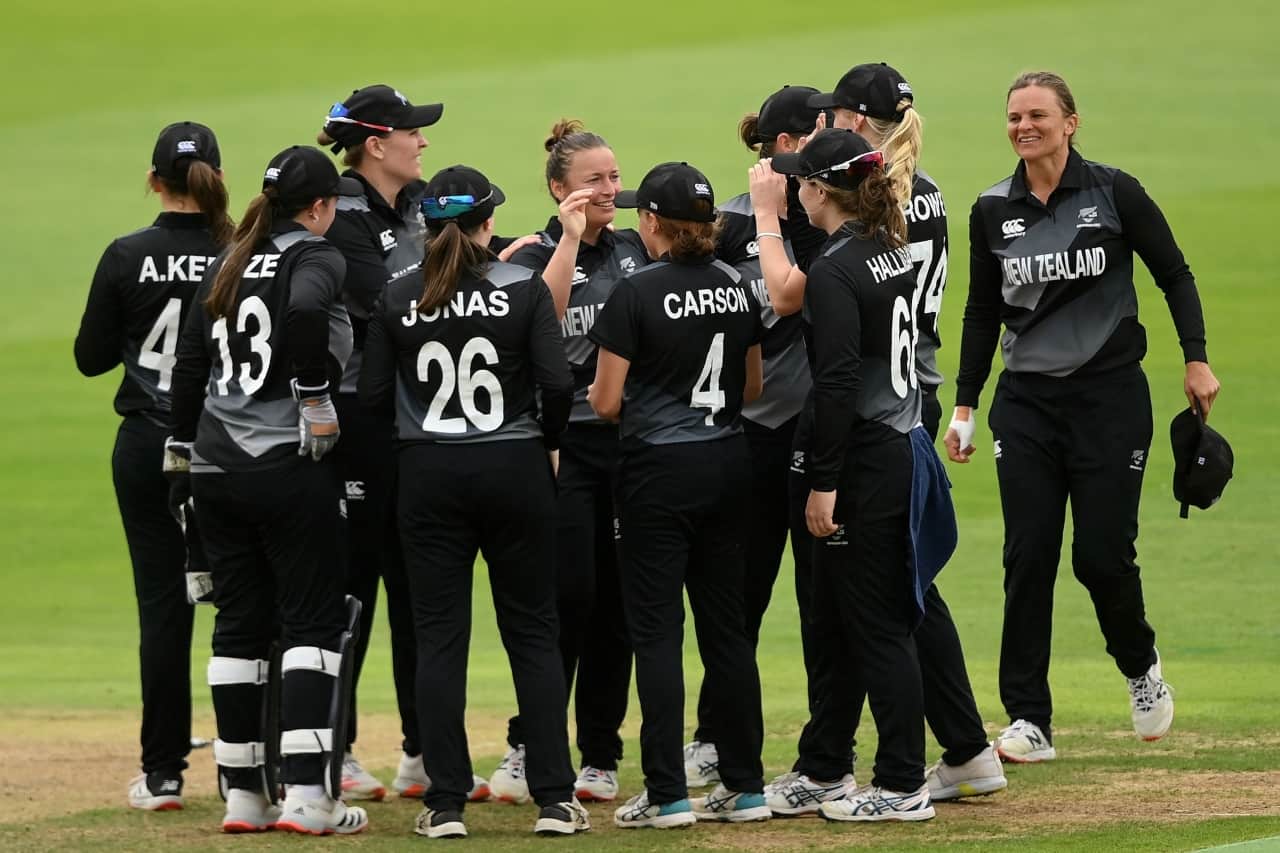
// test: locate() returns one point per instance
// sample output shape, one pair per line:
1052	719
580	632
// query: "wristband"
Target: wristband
307	392
760	234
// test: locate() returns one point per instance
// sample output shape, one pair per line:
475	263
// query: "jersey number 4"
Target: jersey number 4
161	343
467	382
707	393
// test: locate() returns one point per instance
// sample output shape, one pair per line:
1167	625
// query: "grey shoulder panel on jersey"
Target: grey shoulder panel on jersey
293	238
733	274
922	175
502	274
1000	190
836	246
739	204
353	202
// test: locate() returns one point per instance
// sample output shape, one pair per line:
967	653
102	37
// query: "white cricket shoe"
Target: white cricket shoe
793	794
1151	699
876	804
1022	742
445	823
358	783
638	813
249	811
594	785
701	764
156	792
730	806
412	781
325	816
508	783
562	819
980	775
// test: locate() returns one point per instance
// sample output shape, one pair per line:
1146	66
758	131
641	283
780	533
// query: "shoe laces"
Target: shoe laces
351	766
1146	691
595	774
1018	728
784	780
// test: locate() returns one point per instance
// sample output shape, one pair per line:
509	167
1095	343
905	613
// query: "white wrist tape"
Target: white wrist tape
964	430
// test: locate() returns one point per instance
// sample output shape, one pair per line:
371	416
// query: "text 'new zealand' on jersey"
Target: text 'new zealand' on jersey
599	268
143	287
926	216
685	326
467	371
232	389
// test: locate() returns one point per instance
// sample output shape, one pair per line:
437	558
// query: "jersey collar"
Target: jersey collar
1072	177
406	202
176	219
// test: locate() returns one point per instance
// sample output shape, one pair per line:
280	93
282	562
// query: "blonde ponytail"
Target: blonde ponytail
901	142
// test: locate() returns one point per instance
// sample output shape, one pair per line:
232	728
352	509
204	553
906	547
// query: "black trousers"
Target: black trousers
764	536
680	508
501	503
1083	440
158	554
594	645
273	542
365	456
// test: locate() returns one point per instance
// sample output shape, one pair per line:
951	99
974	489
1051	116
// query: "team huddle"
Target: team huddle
361	382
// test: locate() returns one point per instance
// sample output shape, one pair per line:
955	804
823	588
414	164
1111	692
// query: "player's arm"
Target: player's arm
755	375
550	365
191	368
316	283
605	393
616	332
837	345
784	281
100	340
377	382
564	261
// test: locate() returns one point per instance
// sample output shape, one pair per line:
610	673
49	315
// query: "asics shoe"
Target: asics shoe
596	785
445	823
358	783
1151	699
980	775
508	783
701	764
876	804
1024	743
562	819
324	816
249	811
730	806
638	812
793	794
159	791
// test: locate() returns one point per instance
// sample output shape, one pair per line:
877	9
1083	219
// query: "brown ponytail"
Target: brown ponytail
450	254
568	137
690	240
747	129
253	229
205	185
874	205
351	157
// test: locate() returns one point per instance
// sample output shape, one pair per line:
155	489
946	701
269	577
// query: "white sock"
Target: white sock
304	792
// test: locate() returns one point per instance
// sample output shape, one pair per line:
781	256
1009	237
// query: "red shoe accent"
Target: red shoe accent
236	827
479	795
301	830
414	792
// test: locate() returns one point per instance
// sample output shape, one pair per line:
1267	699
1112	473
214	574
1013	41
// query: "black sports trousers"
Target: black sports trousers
594	646
500	503
764	535
273	540
365	456
158	554
680	510
1082	440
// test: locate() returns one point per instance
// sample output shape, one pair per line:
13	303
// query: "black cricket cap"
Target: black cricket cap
672	190
1202	461
835	156
460	193
872	89
787	111
301	174
376	109
179	144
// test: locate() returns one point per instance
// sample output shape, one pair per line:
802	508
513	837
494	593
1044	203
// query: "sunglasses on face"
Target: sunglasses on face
340	114
451	206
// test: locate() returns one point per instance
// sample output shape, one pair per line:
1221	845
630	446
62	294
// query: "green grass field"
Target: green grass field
1180	93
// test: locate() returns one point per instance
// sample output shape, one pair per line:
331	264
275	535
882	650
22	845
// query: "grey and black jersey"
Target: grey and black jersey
685	326
860	330
380	244
1059	276
786	369
468	371
599	268
927	235
231	384
140	295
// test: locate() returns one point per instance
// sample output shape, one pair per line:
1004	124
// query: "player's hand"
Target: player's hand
820	124
1201	387
177	470
818	511
516	245
317	420
573	213
554	456
768	188
959	438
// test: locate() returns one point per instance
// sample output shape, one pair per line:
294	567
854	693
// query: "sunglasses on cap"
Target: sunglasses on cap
340	114
863	164
451	206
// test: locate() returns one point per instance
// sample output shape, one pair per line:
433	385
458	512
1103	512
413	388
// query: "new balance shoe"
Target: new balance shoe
793	794
730	806
156	792
701	764
412	781
1151	700
358	783
562	819
249	811
445	823
983	774
508	783
324	816
1022	742
876	804
596	785
638	812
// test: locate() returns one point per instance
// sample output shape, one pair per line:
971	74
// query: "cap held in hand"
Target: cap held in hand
1202	461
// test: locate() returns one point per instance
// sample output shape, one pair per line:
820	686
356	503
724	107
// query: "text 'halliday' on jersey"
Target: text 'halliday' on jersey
1055	266
887	265
705	300
177	268
491	304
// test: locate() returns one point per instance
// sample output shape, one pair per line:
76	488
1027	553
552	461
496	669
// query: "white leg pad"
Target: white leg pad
306	741
239	754
311	658
224	671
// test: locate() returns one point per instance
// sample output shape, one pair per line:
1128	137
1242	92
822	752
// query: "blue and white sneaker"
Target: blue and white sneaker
701	764
638	812
794	794
875	804
730	806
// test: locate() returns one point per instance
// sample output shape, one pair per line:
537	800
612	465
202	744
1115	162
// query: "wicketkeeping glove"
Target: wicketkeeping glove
317	420
177	470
